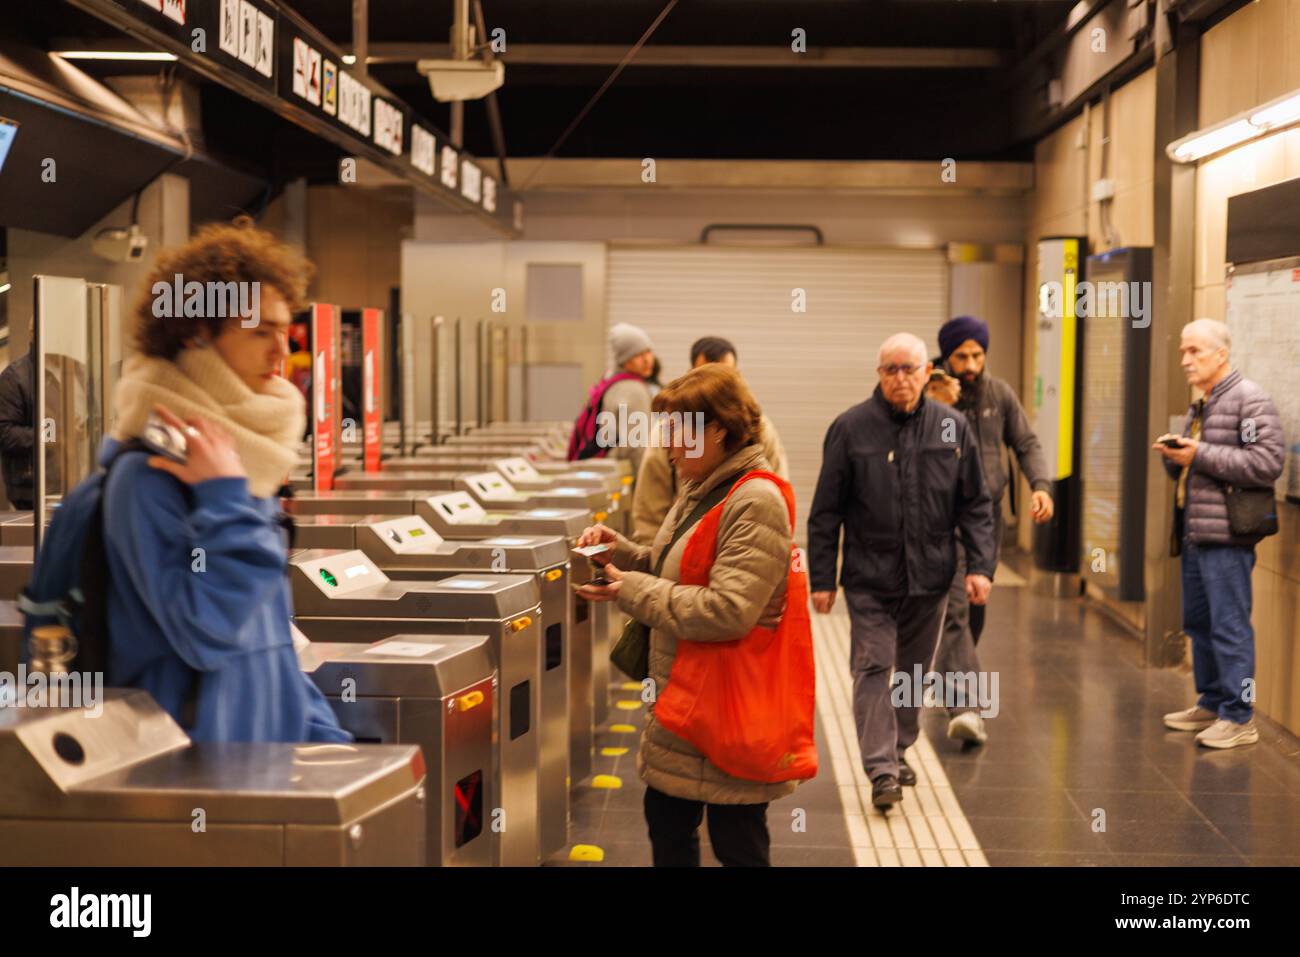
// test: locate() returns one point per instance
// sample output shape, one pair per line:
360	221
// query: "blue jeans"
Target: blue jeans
1216	615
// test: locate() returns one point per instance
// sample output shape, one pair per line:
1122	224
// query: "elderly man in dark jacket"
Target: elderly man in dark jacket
900	474
1232	437
995	413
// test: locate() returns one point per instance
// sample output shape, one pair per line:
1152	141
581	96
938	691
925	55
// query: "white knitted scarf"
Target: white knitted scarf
266	426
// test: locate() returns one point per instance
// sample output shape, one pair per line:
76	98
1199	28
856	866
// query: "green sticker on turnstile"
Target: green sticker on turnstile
329	579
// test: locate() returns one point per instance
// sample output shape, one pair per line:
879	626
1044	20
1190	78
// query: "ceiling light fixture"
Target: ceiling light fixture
115	55
1275	115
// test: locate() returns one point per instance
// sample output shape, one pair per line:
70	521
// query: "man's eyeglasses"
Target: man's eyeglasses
895	369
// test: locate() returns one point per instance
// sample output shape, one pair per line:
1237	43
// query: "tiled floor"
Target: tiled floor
1078	769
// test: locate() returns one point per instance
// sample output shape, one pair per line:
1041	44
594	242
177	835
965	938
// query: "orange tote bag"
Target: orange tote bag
747	705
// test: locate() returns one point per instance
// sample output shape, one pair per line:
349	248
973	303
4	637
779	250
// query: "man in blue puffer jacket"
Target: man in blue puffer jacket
1232	436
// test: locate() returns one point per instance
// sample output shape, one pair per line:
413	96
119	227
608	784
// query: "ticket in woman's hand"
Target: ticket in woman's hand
589	550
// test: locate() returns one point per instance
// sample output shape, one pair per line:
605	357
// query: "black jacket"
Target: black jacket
994	410
899	485
16	397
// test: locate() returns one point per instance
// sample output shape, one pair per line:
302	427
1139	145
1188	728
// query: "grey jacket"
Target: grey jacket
999	419
1227	455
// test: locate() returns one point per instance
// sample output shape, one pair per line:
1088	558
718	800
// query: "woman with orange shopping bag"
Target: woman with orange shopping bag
730	649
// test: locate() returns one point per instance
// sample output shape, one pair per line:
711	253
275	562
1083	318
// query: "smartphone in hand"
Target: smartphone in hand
163	438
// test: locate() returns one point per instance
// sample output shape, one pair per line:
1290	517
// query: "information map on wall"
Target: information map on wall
1263	316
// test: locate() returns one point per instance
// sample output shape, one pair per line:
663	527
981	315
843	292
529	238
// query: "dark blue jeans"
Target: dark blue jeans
1216	615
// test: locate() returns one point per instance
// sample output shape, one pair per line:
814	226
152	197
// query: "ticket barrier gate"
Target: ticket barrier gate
11	637
492	490
456	515
437	692
521	474
343	597
518	470
118	784
17	529
406	549
15	569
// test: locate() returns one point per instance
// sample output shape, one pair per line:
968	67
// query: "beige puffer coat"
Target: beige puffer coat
747	587
655	488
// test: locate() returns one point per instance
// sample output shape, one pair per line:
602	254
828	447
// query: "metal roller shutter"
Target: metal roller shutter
804	367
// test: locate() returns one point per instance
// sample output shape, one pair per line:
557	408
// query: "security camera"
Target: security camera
121	245
453	80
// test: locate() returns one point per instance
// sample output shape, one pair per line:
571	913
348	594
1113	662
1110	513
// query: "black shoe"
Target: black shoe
906	776
886	792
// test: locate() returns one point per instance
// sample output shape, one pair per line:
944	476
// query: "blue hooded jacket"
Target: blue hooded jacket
223	612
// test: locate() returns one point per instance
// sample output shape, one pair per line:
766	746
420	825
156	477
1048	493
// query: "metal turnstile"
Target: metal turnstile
350	503
455	515
15	569
492	490
438	692
344	597
119	784
406	549
11	636
17	529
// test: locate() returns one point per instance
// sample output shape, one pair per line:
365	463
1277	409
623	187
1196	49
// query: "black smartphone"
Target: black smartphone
1172	443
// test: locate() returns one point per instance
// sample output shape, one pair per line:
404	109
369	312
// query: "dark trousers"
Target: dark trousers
1216	616
738	832
888	634
962	625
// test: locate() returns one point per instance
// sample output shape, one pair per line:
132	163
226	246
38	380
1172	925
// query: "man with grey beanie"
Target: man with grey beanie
607	426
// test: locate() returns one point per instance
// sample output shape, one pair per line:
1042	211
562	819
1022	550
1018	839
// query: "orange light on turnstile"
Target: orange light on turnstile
554	574
467	701
519	624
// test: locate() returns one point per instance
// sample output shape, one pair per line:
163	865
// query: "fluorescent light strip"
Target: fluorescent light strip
115	55
1279	113
1273	116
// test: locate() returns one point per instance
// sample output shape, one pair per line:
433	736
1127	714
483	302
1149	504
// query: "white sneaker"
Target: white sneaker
968	726
1194	718
1228	734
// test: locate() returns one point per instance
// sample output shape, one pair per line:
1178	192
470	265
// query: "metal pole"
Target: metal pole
361	34
460	424
436	338
38	413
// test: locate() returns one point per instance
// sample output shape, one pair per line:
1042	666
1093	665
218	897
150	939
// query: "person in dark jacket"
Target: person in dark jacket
900	475
1232	435
995	413
16	432
17	436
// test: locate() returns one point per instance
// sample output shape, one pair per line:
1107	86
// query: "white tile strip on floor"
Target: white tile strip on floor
928	829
